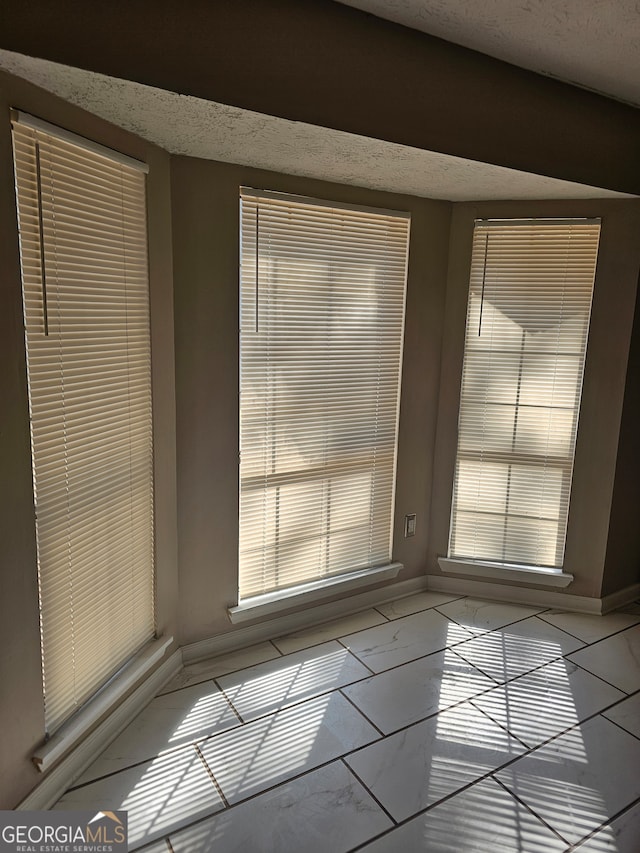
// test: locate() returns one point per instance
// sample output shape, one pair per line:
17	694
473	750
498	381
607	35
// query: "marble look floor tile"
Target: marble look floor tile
540	705
420	765
325	811
168	722
160	795
575	782
273	749
408	693
329	631
627	715
590	628
405	639
195	673
517	649
484	818
269	686
480	616
414	603
616	659
620	836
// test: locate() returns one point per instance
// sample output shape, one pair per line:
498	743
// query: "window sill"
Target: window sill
276	602
499	571
106	699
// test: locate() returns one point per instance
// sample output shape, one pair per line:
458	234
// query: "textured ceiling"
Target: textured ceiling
198	128
593	43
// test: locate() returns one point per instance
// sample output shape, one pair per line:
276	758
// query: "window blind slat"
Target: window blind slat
322	312
530	292
82	220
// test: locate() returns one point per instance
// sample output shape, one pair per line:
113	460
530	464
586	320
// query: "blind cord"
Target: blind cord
484	278
45	310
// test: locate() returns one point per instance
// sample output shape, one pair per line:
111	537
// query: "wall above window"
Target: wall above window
184	124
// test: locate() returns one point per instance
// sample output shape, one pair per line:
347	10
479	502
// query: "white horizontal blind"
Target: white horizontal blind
527	323
82	220
322	314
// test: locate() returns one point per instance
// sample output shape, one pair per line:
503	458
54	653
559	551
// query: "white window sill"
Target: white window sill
276	602
106	699
505	572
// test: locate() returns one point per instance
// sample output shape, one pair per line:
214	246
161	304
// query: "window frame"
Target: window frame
461	562
314	586
62	143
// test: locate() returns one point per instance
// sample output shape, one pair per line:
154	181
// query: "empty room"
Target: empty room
320	400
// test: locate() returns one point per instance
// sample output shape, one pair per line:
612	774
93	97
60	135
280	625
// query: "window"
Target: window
322	312
527	323
82	222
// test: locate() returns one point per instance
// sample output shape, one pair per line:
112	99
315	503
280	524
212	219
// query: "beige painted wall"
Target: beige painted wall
605	381
206	236
622	563
21	709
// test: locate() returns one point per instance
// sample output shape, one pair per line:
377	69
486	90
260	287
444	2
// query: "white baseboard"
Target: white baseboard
76	762
271	628
536	597
620	598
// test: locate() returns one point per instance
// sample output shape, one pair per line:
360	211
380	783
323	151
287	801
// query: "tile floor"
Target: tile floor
433	723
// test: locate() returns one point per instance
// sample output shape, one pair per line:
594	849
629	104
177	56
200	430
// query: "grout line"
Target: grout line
537	668
396	619
492	678
473	629
360	711
563	631
561	733
271	642
360	661
600	678
262	791
338	689
584	669
370	792
229	703
621	727
419	610
220	674
439	802
561	656
602	826
330	639
184	687
529	809
273	713
384	615
600	639
503	727
211	775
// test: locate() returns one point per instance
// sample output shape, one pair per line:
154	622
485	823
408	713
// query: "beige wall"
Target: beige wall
605	381
21	709
206	236
622	563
